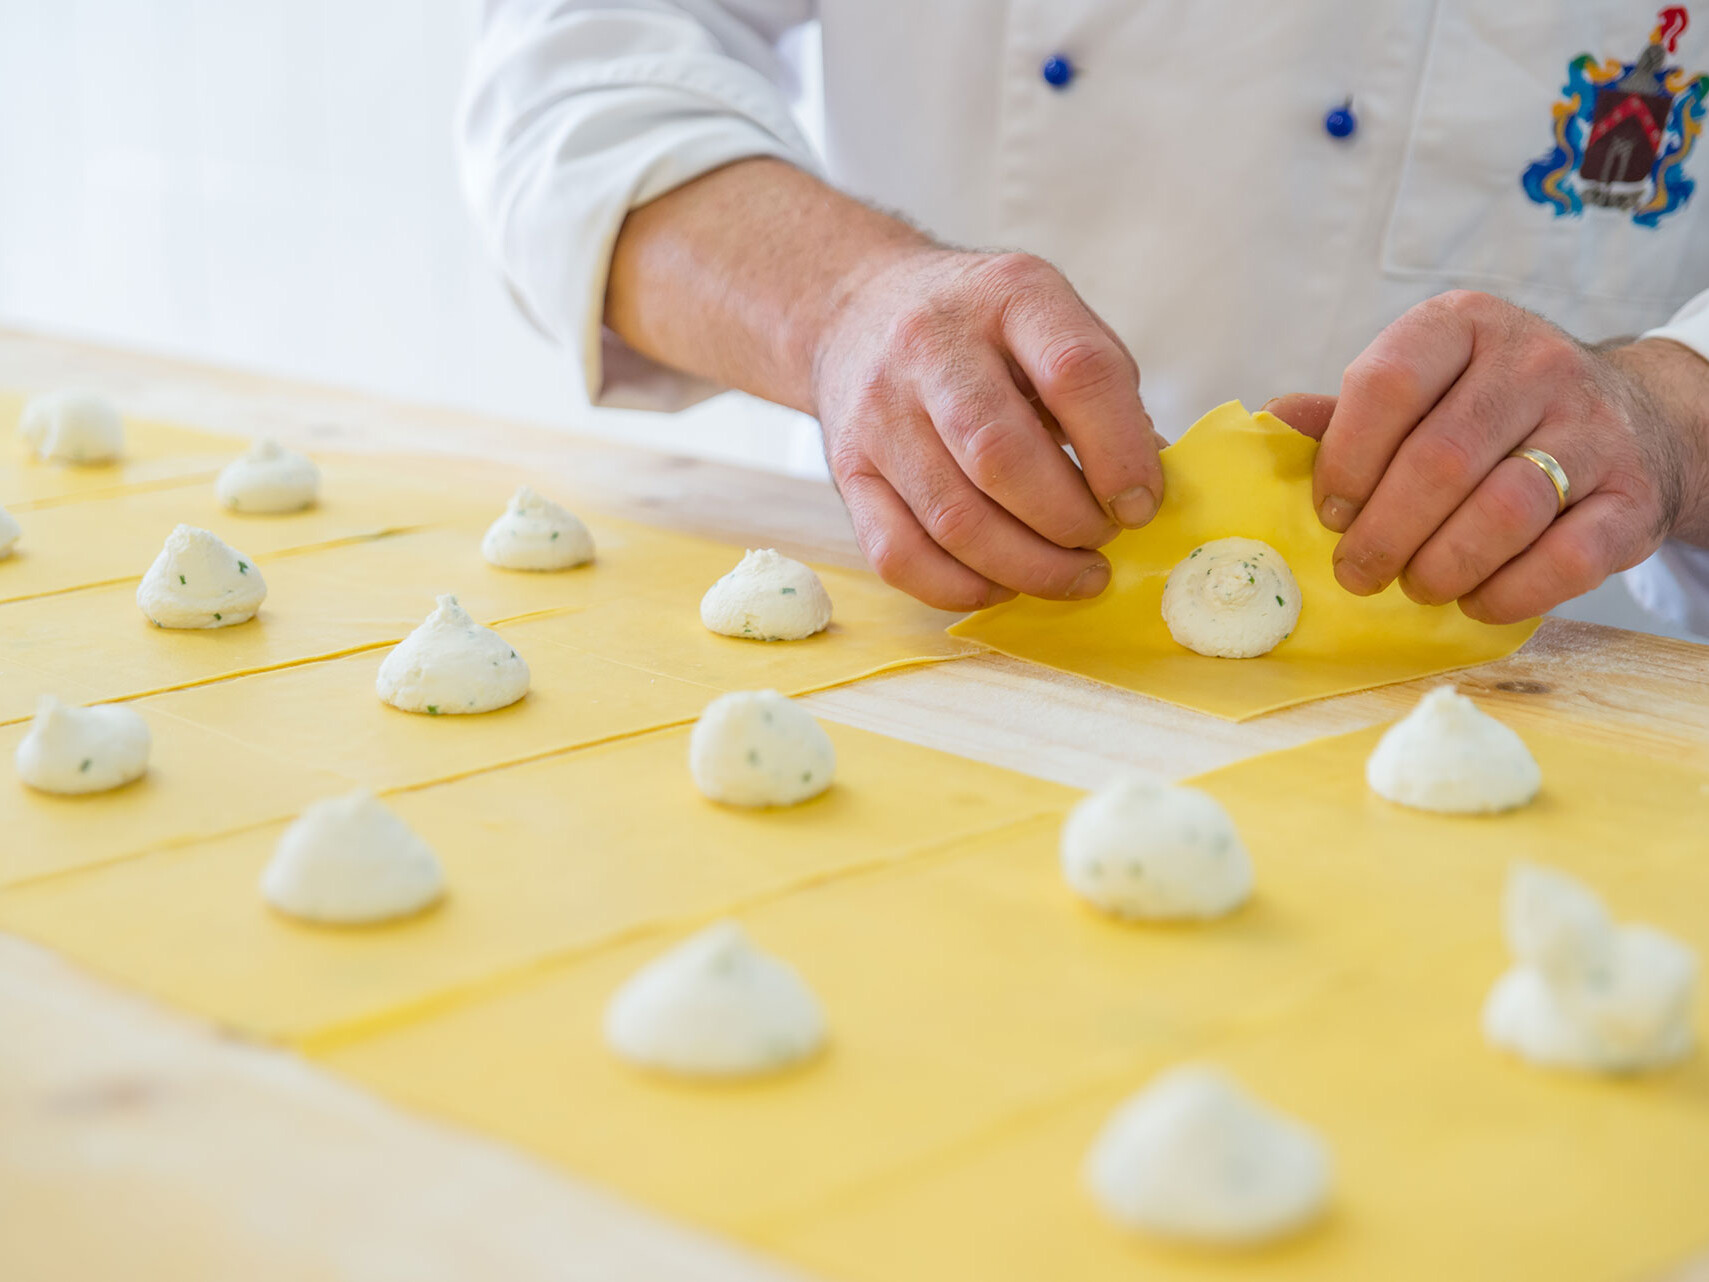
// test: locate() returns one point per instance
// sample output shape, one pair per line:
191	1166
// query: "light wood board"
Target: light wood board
116	1114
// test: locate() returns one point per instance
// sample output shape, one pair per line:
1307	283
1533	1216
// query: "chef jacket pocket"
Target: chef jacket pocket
1497	188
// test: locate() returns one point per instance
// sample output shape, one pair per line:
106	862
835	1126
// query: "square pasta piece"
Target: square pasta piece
98	642
627	559
156	455
1238	474
327	714
115	537
199	784
873	628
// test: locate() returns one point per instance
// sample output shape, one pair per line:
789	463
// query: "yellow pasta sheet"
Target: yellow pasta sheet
544	860
199	783
116	537
329	599
156	455
1234	474
326	714
234	754
984	1023
95	644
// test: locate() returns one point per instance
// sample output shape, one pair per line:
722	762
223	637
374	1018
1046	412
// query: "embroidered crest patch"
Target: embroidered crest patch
1623	132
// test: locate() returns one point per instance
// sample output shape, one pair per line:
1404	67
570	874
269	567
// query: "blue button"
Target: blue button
1341	122
1057	71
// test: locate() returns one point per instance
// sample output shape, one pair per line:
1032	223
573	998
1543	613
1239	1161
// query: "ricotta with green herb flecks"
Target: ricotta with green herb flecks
756	748
75	750
1231	599
534	533
767	597
451	665
1141	848
199	581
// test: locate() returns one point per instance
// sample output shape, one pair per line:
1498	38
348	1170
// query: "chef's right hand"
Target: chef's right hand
945	382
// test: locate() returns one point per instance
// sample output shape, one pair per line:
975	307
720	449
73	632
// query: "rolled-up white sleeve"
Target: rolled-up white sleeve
1674	583
577	111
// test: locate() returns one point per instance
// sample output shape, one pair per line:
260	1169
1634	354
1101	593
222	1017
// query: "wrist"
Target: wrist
848	299
1672	384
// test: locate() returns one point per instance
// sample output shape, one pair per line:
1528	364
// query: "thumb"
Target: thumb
1306	412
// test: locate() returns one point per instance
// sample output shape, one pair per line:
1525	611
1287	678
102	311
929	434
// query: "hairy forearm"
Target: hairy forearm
736	275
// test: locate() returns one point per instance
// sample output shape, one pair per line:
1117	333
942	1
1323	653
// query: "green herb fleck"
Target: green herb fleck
1194	553
433	709
788	592
753	756
87	762
182	579
216	617
554	533
806	776
513	654
243	567
1281	602
1250	579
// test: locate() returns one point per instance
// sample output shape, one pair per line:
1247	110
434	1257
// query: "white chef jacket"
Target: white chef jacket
1183	177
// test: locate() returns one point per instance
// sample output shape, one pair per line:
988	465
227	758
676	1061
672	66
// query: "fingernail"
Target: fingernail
1134	507
998	594
1337	514
1265	407
1093	580
1354	579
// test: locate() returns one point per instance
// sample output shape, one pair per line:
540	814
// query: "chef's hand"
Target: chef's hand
1414	470
946	381
945	384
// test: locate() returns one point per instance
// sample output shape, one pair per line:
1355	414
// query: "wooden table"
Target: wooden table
124	1127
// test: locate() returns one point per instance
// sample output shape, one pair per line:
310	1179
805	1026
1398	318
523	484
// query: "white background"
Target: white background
270	184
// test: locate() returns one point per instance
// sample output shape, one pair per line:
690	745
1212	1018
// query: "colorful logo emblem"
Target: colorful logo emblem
1623	131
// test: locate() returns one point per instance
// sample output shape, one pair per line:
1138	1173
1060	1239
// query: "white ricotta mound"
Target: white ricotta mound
715	1006
1231	599
1193	1157
1448	756
452	665
756	748
350	861
1144	849
198	581
534	533
269	479
1585	993
767	597
73	427
74	750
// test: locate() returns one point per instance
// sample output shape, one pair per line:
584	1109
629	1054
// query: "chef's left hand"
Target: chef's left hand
1414	470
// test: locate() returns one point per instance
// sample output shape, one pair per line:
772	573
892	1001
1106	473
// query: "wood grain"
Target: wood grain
246	1162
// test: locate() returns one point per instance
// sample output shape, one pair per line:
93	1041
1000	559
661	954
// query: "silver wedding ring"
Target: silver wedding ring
1550	468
